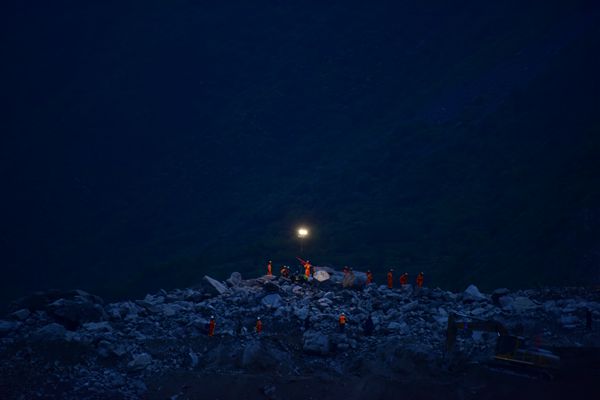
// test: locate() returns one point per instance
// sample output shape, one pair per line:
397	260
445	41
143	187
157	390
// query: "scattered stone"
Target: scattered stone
315	342
140	361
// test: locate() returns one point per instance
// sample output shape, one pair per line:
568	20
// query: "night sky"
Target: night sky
145	144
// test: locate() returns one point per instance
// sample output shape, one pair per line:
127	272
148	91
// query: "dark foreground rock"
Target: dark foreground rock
77	347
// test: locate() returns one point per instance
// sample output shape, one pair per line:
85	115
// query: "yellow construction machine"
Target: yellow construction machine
511	351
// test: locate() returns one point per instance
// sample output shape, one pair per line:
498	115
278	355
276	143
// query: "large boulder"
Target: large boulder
235	279
314	342
272	300
496	294
472	293
72	313
213	286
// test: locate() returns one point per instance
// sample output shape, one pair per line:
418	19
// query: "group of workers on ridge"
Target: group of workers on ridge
308	272
404	279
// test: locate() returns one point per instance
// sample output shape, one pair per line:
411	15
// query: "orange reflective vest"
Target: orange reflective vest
369	277
307	270
390	279
211	327
269	269
404	279
342	320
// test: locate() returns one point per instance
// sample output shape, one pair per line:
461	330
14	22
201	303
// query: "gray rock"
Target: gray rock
170	310
235	279
51	332
213	286
496	294
569	321
505	301
398	327
272	300
472	293
7	326
140	361
74	312
193	359
314	342
21	314
297	290
98	326
271	287
522	304
301	312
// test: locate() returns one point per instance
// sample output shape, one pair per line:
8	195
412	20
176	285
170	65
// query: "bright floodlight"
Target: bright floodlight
302	232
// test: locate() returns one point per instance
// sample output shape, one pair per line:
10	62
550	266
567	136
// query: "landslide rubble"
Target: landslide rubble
74	345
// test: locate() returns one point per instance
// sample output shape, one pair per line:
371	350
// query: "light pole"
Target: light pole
302	233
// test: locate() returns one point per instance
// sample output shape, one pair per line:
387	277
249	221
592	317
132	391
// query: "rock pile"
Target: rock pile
72	344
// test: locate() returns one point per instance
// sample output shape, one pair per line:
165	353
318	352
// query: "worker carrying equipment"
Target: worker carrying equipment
270	268
342	322
404	279
420	278
285	271
211	326
390	278
369	277
258	325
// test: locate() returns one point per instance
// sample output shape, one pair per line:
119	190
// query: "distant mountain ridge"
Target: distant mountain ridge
147	147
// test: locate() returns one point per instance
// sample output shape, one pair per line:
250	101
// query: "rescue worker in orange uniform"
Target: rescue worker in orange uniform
258	325
390	278
270	268
285	271
420	278
342	322
211	326
404	279
369	277
307	269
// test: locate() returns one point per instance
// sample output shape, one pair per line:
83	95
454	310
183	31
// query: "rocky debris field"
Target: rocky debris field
72	345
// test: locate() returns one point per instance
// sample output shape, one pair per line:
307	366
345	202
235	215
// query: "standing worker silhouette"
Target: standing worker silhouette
369	277
390	278
258	325
211	326
270	268
420	279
